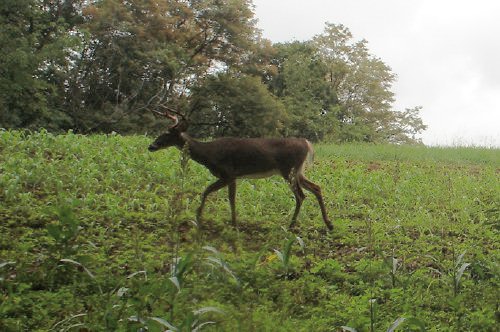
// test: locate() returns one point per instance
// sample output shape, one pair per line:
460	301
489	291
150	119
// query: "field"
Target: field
98	234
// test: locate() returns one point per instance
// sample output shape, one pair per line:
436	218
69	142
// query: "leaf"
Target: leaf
215	260
198	328
66	320
349	329
436	270
279	254
461	272
92	244
431	257
223	265
415	322
396	323
164	323
394	265
211	249
287	249
136	319
120	292
7	263
136	273
90	274
460	259
175	281
182	265
67	260
301	243
73	326
204	310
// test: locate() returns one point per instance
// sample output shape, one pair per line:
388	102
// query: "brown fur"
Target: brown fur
231	158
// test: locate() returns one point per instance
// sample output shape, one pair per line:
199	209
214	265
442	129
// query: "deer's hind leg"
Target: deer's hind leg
299	198
292	179
316	190
232	200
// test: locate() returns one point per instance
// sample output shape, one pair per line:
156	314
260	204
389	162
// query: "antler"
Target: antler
171	110
168	115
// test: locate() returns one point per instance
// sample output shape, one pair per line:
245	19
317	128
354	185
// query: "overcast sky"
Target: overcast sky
445	53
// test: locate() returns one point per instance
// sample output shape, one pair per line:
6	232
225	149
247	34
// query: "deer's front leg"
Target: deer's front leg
220	183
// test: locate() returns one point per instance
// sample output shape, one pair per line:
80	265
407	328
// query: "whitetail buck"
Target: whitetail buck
231	158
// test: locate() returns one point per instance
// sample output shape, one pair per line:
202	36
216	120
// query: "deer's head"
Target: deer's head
172	137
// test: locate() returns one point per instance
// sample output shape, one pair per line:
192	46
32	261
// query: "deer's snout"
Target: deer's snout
152	148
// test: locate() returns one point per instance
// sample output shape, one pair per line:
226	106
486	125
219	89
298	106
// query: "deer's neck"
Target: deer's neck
196	149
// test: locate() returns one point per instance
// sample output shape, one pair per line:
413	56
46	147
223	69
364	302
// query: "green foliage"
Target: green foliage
35	52
102	66
362	83
301	85
334	89
65	231
285	254
98	234
143	54
241	107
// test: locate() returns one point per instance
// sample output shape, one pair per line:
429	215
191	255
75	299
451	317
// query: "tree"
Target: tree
236	106
362	83
36	46
300	83
405	126
141	54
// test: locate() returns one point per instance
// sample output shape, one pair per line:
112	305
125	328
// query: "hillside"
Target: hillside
98	234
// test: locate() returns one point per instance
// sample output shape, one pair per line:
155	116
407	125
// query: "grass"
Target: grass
411	153
98	234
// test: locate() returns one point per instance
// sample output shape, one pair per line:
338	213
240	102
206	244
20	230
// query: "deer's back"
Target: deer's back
256	157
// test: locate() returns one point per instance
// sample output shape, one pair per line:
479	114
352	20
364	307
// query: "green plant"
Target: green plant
217	261
458	272
286	252
65	231
193	322
82	267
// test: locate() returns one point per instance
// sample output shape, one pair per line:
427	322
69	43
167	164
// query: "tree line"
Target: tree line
103	65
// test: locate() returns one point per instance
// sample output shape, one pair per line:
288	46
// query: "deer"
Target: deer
231	158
